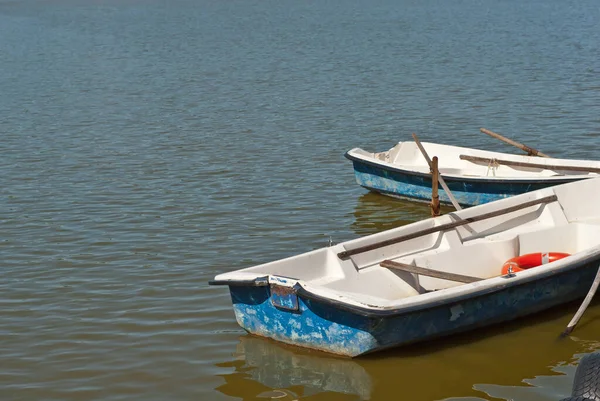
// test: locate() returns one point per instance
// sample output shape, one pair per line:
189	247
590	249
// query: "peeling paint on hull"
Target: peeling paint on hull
323	325
468	192
313	325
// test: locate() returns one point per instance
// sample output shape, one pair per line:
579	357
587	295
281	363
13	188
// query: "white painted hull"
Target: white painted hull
350	304
403	172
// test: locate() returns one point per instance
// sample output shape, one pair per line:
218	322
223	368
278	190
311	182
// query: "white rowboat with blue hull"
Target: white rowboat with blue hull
427	279
474	176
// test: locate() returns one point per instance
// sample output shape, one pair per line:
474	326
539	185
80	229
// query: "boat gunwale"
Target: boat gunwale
477	290
261	281
556	180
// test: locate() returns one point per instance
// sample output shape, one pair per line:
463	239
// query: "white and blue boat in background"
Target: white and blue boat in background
427	279
474	176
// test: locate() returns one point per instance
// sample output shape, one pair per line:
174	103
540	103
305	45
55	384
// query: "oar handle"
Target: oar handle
530	151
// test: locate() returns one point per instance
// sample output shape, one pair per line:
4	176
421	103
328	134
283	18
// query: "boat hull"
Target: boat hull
468	191
330	326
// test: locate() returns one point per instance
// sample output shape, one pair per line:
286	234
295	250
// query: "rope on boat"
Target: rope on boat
493	165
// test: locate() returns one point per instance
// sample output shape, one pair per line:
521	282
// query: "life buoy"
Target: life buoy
530	260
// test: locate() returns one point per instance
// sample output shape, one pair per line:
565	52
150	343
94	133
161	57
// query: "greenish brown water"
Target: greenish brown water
146	146
490	364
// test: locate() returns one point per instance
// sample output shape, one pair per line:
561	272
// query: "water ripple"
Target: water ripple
148	147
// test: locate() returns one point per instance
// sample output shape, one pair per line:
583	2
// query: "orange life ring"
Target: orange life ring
530	260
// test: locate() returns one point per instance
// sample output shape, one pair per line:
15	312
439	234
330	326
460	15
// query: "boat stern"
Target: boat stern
277	310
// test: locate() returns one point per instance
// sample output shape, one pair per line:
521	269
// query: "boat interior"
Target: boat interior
459	161
569	223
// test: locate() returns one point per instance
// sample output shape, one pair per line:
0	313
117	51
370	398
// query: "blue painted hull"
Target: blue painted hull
417	186
344	329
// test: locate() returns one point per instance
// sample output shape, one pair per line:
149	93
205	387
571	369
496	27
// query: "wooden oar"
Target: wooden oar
447	226
440	178
531	165
435	198
429	272
584	305
530	151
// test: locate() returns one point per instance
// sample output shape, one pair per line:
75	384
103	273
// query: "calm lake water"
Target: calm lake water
146	146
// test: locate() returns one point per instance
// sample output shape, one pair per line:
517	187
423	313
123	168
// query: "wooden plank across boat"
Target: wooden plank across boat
474	176
428	279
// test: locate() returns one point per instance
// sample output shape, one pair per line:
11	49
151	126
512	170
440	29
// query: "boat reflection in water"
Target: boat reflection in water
509	361
264	369
547	386
375	213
